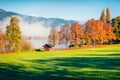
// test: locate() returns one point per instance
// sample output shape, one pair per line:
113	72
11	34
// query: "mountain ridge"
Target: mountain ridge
31	25
31	19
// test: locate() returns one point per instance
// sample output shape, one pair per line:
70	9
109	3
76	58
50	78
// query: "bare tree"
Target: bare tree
53	36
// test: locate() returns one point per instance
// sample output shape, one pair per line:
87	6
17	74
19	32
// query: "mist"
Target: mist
35	29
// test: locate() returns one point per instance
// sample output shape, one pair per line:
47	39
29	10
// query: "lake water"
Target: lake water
38	43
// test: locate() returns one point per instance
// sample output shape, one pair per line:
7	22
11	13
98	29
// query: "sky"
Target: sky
80	10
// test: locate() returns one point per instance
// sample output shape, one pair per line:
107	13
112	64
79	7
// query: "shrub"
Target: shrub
26	45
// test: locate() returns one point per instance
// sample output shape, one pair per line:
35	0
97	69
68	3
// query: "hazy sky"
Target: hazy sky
80	10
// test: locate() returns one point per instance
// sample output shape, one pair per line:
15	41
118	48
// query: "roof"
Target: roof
48	45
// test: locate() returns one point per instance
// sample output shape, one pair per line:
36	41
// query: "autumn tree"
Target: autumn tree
103	17
2	40
76	34
116	25
95	32
53	36
109	32
108	15
64	34
26	44
14	35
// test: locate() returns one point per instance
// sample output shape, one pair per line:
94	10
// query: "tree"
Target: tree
64	34
108	15
116	25
76	34
26	44
109	32
95	32
53	36
103	17
14	35
2	40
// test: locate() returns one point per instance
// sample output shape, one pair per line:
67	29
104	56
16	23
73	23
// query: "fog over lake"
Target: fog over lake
38	43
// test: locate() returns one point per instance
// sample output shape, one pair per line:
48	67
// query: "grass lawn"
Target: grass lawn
102	63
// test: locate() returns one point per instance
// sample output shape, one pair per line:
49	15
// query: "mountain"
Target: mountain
31	25
46	22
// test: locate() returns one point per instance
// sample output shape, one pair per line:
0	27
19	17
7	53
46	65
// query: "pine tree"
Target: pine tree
14	35
53	36
116	25
108	15
103	17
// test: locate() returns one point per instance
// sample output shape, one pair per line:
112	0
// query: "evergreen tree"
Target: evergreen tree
108	15
116	25
103	17
14	35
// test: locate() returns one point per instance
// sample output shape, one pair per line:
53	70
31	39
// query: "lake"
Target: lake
38	43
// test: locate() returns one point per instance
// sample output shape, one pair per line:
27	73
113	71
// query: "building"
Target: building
47	47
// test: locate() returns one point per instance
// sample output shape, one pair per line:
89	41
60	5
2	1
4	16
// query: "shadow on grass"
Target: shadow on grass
104	51
72	68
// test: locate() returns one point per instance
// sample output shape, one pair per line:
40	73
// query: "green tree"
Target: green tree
103	17
53	36
108	15
14	35
116	25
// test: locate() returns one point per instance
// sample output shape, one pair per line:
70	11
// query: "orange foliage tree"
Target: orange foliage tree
2	40
76	34
26	44
64	34
95	32
109	32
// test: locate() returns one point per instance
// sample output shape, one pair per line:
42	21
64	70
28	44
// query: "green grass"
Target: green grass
81	64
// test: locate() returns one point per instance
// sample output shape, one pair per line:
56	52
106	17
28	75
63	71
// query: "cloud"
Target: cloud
28	29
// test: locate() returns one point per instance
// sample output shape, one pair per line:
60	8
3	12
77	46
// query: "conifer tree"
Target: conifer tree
116	25
108	15
14	35
103	17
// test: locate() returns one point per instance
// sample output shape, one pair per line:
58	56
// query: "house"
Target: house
47	47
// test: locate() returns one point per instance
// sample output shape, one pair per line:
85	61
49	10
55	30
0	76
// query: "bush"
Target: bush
39	50
26	45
